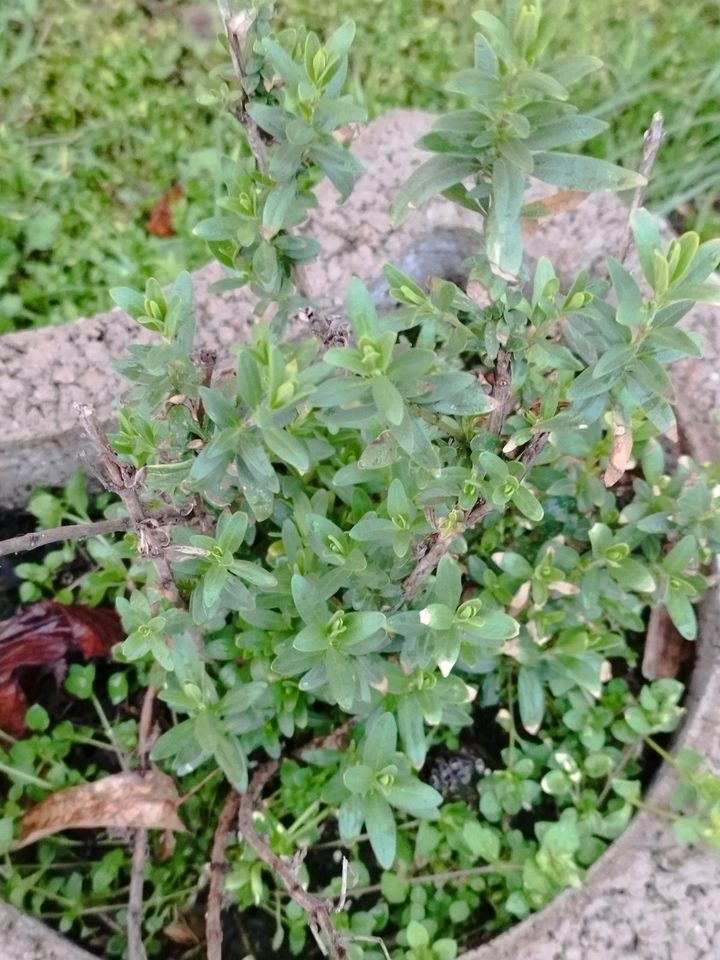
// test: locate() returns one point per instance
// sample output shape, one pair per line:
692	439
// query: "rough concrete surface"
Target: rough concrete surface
22	938
648	898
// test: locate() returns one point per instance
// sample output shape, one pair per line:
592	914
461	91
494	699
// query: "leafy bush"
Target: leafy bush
411	556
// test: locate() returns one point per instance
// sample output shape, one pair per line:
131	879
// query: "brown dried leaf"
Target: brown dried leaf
549	206
665	649
620	453
127	800
160	221
40	640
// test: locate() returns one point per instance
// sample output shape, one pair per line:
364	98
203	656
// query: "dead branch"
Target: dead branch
317	910
652	140
136	900
235	27
123	479
218	865
71	531
500	393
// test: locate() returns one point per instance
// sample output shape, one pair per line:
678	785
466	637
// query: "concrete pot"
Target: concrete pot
647	898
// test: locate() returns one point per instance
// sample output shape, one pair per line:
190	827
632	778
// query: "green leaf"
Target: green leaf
414	797
630	301
483	841
614	358
342	677
432	177
647	242
212	584
579	172
359	778
380	741
531	699
361	310
388	400
681	613
503	236
232	761
417	935
231	530
380	825
559	133
527	504
308	601
288	448
278	205
411	725
682	555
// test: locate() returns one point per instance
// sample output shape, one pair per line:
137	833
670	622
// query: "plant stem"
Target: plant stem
109	733
27	777
652	140
318	911
444	877
622	763
71	531
218	865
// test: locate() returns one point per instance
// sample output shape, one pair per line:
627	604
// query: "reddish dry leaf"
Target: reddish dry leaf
665	648
126	800
40	640
160	221
549	206
619	454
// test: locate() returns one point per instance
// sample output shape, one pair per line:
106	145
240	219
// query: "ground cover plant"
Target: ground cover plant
101	128
388	579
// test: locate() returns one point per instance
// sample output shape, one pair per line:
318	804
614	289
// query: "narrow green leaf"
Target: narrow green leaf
380	825
579	172
432	177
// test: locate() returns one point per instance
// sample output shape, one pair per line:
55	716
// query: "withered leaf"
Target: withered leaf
40	640
622	444
548	206
160	221
125	800
665	648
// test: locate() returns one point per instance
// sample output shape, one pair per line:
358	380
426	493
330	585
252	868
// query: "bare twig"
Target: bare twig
136	900
234	28
218	865
318	910
71	531
136	949
501	392
123	479
651	145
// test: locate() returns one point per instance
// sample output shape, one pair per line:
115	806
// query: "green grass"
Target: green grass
100	117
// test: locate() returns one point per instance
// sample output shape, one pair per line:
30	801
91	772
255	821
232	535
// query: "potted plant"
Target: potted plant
398	568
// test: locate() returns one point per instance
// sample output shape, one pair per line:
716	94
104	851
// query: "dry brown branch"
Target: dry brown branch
235	29
500	393
317	910
652	140
218	865
136	950
71	531
123	479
